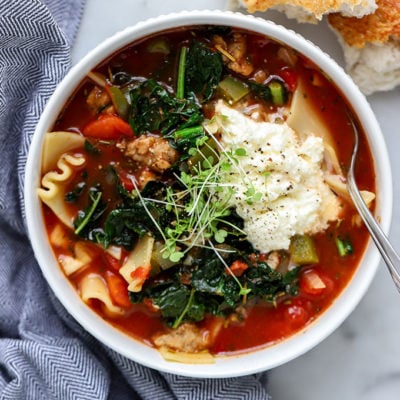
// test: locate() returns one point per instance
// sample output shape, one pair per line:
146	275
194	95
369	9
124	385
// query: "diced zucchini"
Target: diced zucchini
207	150
302	250
278	93
232	89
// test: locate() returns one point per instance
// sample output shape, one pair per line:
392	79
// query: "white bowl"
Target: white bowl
224	366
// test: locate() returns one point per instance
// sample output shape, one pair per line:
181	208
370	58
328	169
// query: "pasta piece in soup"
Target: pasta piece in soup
55	144
136	268
53	189
93	287
80	259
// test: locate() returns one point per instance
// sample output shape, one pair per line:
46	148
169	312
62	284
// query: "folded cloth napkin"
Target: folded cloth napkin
44	353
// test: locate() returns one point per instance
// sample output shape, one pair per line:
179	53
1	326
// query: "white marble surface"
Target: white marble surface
361	359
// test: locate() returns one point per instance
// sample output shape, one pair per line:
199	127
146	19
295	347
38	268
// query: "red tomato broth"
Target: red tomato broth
265	324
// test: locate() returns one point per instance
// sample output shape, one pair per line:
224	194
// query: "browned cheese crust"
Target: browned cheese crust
378	27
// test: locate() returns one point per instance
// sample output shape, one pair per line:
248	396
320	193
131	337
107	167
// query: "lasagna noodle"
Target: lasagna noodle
80	259
53	189
203	357
93	287
313	125
139	257
55	144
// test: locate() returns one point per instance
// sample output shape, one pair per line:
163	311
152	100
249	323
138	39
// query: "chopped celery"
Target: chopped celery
278	93
233	89
302	249
119	101
344	247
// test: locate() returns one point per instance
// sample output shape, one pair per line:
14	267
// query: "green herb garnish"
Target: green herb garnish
84	216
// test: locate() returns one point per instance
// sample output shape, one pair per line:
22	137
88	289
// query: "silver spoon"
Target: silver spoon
388	254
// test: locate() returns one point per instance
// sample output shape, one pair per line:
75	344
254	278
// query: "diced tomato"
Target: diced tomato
296	313
108	127
126	180
118	289
141	273
290	77
238	267
315	283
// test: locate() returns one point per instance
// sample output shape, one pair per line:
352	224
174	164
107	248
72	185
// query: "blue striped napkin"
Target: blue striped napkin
44	353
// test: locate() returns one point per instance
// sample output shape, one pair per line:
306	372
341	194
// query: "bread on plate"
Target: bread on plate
368	31
309	10
371	46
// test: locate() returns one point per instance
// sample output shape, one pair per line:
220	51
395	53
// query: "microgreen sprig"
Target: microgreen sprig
200	209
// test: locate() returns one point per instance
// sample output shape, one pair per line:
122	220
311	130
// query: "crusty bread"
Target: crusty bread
372	46
368	31
376	67
312	10
378	27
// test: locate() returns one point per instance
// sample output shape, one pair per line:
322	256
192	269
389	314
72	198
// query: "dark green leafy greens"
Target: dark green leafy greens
125	223
274	92
154	109
211	289
73	195
91	214
204	69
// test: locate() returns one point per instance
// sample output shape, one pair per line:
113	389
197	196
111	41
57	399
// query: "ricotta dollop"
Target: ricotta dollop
293	197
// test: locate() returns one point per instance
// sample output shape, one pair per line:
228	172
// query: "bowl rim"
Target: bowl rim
230	366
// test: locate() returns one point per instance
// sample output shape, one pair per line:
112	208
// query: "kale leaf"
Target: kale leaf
204	69
273	92
125	223
75	193
260	90
211	289
176	301
122	224
154	109
172	300
266	283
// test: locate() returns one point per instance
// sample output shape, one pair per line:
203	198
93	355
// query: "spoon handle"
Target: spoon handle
387	251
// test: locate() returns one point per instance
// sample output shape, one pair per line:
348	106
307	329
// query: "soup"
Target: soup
194	192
